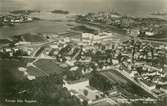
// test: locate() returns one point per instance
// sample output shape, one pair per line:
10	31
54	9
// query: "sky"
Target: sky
126	6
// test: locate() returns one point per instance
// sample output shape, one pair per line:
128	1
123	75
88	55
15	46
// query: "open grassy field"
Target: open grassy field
45	67
35	72
30	37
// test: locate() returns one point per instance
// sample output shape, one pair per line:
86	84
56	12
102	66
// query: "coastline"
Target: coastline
102	27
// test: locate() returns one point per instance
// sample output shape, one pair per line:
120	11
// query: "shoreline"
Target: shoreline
120	31
28	12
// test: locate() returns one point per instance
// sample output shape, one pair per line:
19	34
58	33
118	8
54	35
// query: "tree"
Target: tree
99	82
85	103
85	92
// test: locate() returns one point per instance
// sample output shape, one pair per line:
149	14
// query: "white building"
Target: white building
29	19
149	33
88	38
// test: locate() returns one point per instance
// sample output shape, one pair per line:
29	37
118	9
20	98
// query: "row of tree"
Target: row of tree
46	90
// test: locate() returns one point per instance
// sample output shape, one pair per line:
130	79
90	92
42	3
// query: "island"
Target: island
11	20
60	11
